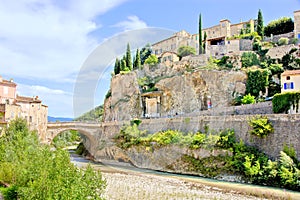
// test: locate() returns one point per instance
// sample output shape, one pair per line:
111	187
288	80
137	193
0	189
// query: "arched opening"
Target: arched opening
76	140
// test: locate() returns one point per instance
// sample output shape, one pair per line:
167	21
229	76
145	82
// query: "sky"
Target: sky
46	46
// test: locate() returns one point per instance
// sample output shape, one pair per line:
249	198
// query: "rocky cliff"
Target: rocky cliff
170	90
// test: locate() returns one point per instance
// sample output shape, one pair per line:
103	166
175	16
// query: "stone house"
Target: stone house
290	81
13	106
297	24
216	42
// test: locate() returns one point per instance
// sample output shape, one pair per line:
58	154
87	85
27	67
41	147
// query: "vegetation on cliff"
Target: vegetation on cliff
29	170
240	159
92	115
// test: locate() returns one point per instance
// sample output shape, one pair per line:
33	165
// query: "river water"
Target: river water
127	182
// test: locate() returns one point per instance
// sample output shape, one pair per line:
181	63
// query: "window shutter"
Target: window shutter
284	86
292	85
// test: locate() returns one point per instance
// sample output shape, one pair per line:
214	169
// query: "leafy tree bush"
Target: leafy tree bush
261	126
260	23
185	51
34	171
279	26
146	51
248	99
257	81
249	59
283	41
283	102
66	138
151	60
289	61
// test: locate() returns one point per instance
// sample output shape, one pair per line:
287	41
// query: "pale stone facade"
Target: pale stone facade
13	106
290	81
297	24
216	42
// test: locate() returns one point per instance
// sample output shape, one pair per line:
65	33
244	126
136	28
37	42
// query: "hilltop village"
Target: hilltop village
232	64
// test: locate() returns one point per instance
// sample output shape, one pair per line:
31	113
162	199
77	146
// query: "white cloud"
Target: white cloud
48	39
132	23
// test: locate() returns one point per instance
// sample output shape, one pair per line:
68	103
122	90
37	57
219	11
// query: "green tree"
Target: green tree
257	81
249	59
123	65
117	67
128	58
283	41
145	53
260	24
204	44
34	171
185	51
200	35
137	60
151	60
279	26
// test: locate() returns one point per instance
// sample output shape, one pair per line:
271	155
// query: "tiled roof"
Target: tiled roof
291	72
28	99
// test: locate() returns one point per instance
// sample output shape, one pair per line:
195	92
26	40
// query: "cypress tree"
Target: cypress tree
123	64
128	58
204	44
260	24
200	35
117	67
137	61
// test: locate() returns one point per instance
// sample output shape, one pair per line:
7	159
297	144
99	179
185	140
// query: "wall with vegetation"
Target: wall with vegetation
286	129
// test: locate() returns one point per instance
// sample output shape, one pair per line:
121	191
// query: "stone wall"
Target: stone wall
287	131
275	38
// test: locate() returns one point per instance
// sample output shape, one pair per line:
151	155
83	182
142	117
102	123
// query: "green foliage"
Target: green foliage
283	102
34	171
279	26
137	60
283	41
261	126
294	41
94	114
117	67
128	58
66	138
226	139
249	59
248	99
151	60
145	53
129	135
185	51
224	62
289	61
135	121
260	23
257	80
200	35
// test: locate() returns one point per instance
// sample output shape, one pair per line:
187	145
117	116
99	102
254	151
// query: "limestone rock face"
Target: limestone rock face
179	91
124	102
191	92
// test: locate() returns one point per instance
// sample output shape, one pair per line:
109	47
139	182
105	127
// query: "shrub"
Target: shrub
282	102
151	60
283	41
279	26
261	126
248	99
185	51
249	59
294	41
257	81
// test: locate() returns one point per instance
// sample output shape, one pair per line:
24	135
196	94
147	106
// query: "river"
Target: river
127	182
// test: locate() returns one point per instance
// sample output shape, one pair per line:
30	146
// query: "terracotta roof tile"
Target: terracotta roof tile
291	72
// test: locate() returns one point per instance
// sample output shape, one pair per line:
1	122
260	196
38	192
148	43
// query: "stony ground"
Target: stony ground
122	186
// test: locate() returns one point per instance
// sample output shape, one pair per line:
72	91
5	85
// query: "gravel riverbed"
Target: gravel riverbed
122	186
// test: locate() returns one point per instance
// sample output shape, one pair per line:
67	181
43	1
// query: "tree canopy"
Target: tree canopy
185	51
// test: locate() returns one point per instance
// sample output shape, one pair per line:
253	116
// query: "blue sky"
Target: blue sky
45	43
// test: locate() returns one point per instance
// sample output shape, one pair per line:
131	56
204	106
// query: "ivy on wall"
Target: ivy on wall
283	102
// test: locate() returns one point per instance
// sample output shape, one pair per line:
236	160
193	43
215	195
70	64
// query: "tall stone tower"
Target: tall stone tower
297	24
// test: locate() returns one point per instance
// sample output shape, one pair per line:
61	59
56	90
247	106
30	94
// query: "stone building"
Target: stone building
217	42
297	24
290	81
13	106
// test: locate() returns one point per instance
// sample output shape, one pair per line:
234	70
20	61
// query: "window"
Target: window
288	78
298	35
5	90
30	118
288	86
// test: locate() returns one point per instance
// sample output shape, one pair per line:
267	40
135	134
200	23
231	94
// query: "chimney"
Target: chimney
11	80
